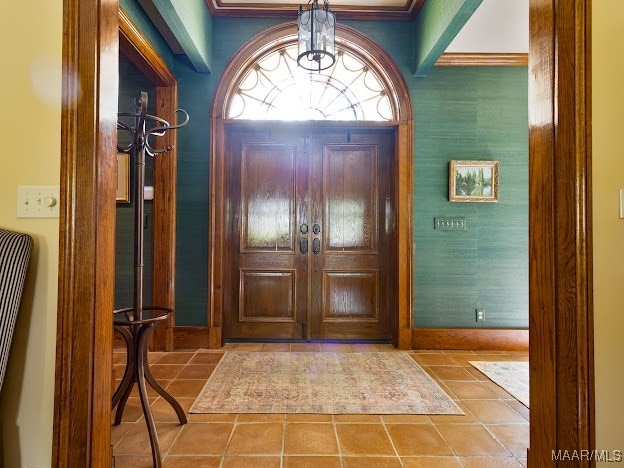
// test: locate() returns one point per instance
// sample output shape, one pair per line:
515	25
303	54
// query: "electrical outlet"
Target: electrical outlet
480	314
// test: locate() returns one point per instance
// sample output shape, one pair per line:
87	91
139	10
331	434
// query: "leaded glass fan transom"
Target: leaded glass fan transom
274	88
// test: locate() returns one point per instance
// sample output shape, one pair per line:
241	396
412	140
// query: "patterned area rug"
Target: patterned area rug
513	376
331	383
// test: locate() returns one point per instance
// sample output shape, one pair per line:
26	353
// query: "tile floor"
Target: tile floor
493	433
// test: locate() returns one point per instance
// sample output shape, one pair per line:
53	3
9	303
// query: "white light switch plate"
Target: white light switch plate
622	203
38	201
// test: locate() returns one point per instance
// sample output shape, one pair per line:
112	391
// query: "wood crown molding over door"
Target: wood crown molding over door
403	184
141	53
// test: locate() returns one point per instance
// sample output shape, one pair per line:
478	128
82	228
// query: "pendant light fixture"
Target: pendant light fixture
316	31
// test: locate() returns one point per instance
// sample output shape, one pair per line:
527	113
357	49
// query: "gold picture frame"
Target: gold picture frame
123	178
473	181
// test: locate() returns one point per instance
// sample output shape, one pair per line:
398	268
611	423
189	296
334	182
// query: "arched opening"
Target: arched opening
304	290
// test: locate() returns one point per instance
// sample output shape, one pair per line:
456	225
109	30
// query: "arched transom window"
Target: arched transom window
273	87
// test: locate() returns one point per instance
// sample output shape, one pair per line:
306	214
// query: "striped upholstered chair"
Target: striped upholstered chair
15	251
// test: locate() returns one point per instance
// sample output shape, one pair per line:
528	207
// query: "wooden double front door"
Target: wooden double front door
310	232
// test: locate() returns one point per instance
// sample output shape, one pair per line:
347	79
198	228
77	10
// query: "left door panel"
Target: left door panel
268	205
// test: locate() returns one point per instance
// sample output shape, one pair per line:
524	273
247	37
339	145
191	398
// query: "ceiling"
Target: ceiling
345	9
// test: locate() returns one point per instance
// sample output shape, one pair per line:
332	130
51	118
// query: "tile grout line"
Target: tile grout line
227	444
383	423
340	460
282	458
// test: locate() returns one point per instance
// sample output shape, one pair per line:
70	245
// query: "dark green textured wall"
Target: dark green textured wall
471	113
131	83
459	113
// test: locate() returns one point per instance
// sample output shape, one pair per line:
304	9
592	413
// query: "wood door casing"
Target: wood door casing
351	196
267	296
336	179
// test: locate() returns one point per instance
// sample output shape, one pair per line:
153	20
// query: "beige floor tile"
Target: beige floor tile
336	347
175	357
387	347
451	373
431	462
363	439
417	439
462	358
493	412
242	347
519	407
188	388
251	462
305	347
165	371
212	417
136	441
196	371
471	440
181	461
434	360
206	358
132	412
129	461
496	389
163	411
256	438
478	375
153	356
364	347
515	437
311	462
151	393
202	439
471	390
309	418
371	462
260	417
313	440
357	418
310	439
490	462
275	347
466	418
406	419
117	432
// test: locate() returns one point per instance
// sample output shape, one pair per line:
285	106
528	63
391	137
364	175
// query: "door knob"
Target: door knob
303	245
304	228
316	229
316	246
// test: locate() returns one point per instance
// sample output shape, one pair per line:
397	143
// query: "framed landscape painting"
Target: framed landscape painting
473	181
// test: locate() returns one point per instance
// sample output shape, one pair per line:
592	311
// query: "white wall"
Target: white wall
496	26
30	128
608	178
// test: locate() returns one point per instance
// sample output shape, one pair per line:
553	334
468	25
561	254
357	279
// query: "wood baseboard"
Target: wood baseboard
191	337
476	339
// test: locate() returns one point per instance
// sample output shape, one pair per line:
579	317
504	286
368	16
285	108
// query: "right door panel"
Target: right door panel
351	203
